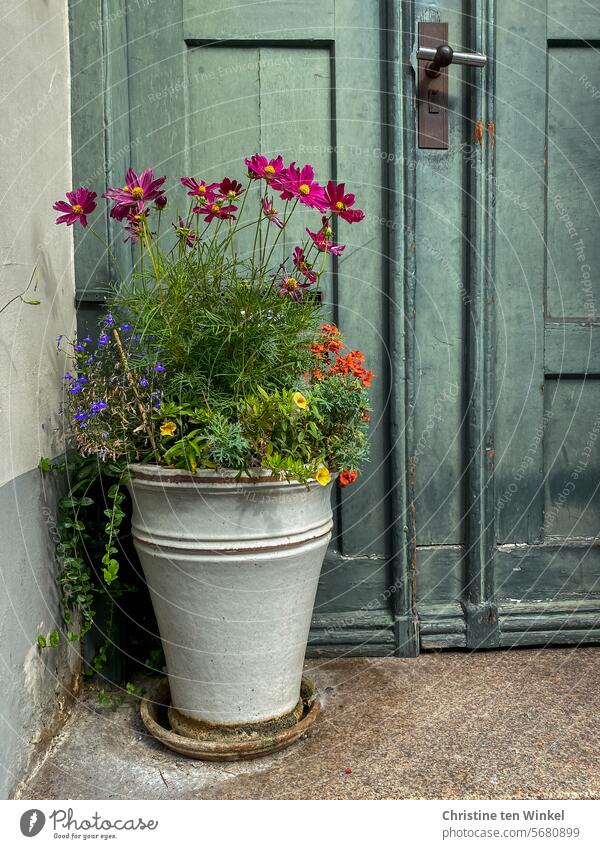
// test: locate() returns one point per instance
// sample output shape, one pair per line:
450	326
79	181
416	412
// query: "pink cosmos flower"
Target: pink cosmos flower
300	183
121	211
292	287
134	232
79	204
322	239
261	167
200	190
217	210
135	225
302	266
136	191
230	189
270	212
339	202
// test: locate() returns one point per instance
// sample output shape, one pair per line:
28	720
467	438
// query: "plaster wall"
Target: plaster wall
35	170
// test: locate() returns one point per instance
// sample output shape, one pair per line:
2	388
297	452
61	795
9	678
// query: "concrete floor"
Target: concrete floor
489	725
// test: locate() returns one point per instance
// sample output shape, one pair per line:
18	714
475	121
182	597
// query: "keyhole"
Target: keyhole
434	107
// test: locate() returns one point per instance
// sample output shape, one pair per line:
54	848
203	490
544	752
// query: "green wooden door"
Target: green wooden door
482	339
547	257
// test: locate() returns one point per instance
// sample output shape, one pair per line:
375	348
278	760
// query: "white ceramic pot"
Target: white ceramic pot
232	567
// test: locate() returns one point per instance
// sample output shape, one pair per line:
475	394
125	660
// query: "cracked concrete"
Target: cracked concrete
489	725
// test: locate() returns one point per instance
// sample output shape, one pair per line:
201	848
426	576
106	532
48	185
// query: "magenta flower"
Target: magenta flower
185	234
77	207
339	202
122	211
322	239
302	265
270	212
134	231
292	287
300	183
200	190
230	189
261	167
219	210
135	223
135	192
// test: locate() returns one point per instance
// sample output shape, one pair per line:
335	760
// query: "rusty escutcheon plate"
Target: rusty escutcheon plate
432	93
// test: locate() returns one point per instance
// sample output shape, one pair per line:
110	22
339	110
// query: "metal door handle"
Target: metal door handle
443	55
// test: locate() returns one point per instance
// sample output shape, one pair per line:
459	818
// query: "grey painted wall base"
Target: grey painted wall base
35	684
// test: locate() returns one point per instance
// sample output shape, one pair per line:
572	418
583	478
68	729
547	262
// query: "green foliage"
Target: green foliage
115	516
271	430
219	336
51	641
80	544
227	446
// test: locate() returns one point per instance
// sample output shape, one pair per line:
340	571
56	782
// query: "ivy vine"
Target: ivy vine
80	543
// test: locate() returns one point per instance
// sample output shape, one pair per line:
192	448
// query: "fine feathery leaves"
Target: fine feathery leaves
219	337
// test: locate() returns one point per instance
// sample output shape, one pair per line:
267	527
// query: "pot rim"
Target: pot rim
164	474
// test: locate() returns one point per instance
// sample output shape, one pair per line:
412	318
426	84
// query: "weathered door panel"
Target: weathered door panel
443	247
547	564
441	233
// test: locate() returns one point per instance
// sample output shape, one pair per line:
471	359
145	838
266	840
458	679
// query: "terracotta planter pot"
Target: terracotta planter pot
232	567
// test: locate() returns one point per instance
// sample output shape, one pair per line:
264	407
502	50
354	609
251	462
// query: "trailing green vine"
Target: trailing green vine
80	544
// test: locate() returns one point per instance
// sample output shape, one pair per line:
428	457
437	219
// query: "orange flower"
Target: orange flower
330	328
352	364
347	476
335	345
318	374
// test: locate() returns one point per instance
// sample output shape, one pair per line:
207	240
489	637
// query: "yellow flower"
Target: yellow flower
322	476
299	400
168	428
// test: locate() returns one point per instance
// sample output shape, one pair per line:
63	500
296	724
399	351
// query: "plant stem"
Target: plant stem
285	221
131	382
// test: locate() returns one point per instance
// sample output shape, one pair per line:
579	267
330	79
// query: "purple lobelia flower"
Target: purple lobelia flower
97	407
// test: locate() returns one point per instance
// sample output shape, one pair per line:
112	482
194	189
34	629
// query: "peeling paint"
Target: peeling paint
491	128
